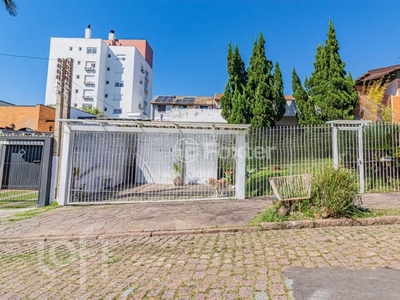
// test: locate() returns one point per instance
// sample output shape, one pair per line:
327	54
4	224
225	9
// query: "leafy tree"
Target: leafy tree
11	7
94	111
331	91
236	82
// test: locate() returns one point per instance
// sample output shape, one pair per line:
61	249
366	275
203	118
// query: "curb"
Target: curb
389	220
142	234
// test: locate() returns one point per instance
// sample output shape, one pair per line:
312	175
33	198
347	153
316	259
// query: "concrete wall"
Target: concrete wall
197	115
156	154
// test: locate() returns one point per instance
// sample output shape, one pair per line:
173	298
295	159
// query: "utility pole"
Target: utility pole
63	108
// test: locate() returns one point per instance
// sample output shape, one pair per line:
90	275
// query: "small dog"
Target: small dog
219	186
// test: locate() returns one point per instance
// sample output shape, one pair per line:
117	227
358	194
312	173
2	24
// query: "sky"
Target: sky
190	38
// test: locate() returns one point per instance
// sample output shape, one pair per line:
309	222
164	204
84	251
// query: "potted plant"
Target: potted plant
178	179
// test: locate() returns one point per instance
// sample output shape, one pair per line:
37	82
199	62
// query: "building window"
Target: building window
108	69
90	64
88	95
119	84
117	111
106	96
107	82
121	57
182	107
70	48
91	50
76	91
161	108
109	55
105	108
77	76
87	106
80	48
78	62
75	104
203	107
89	80
119	70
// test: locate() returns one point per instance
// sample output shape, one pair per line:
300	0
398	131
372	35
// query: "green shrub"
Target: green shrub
334	192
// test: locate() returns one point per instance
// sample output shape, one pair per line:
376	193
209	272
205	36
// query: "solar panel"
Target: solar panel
189	100
179	101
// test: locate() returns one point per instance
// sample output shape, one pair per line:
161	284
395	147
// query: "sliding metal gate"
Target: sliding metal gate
149	162
25	164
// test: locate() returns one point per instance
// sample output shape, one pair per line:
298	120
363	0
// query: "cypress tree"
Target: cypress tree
279	97
226	99
259	89
305	111
331	90
234	87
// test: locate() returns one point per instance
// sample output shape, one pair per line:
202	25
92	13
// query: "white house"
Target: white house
114	75
204	109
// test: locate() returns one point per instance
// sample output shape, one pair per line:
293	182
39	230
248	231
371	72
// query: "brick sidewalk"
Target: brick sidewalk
151	217
137	217
214	266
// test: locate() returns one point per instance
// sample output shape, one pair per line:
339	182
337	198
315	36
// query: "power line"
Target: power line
25	56
44	58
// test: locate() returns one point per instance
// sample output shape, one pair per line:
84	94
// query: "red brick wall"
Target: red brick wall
39	118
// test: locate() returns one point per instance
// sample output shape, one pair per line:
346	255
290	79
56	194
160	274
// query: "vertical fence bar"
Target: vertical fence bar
241	166
361	158
335	147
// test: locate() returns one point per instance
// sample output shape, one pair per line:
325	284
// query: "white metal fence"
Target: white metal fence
285	151
137	162
161	161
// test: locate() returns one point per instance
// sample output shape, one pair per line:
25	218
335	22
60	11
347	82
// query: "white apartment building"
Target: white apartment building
114	75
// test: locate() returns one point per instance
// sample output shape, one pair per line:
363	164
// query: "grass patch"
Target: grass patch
304	213
18	199
31	213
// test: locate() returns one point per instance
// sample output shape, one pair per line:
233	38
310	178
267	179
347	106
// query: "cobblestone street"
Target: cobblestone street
241	265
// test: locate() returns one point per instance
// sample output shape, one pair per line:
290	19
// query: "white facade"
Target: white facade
116	79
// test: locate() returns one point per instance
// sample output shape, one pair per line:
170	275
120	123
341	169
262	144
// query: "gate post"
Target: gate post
64	182
350	125
44	188
241	165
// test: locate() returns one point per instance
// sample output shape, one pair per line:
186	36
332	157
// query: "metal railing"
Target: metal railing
156	161
285	151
